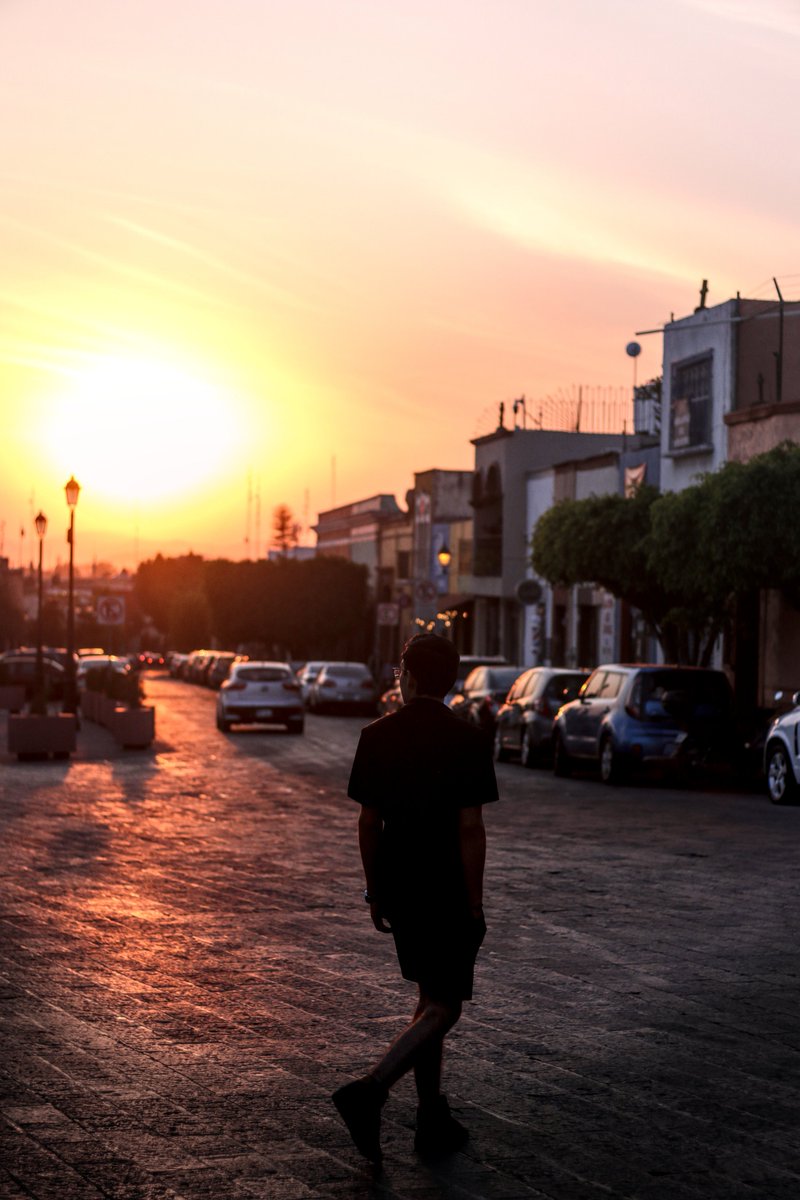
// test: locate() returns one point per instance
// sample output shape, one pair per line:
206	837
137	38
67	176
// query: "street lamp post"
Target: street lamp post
40	521
72	489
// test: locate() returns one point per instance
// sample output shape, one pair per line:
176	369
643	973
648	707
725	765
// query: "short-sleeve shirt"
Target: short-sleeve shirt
419	767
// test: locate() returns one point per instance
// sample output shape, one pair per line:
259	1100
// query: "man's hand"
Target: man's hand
378	919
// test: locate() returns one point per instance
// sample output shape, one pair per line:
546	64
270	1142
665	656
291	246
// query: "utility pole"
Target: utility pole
779	355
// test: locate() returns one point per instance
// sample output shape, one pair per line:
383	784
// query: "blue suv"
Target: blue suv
639	717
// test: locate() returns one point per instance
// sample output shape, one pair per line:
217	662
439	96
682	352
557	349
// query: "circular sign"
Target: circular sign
633	349
110	610
529	591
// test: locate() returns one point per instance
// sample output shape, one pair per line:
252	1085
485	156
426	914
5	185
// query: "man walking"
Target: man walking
421	776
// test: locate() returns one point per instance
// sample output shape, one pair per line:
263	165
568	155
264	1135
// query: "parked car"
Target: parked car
634	716
782	755
306	676
19	668
467	664
484	690
346	686
390	701
92	662
524	724
260	693
150	658
220	668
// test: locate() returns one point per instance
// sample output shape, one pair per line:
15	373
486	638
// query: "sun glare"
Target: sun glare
144	431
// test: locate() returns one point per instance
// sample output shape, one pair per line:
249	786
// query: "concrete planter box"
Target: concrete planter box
12	697
32	736
134	727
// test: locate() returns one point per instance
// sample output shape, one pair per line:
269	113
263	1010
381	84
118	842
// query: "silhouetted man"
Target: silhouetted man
421	776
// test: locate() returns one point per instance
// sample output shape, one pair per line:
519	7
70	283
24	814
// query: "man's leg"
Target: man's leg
420	1043
360	1103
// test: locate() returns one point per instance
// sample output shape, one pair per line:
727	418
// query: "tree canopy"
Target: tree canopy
315	608
683	557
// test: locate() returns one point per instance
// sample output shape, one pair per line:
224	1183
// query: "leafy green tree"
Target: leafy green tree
684	559
190	621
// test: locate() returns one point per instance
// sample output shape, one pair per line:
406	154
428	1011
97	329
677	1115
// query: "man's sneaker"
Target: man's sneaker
359	1106
438	1132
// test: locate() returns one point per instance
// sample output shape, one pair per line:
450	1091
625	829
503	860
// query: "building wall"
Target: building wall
756	430
758	341
711	330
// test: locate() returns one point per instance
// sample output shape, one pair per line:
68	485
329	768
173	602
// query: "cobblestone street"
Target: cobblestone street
188	970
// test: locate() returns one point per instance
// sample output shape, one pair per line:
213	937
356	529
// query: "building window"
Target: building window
690	404
403	564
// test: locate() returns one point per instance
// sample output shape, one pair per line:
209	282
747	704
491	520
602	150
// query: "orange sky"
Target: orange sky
247	240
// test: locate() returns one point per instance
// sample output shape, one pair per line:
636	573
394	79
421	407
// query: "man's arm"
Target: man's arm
370	828
472	847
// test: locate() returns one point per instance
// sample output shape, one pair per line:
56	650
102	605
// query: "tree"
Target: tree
285	530
685	559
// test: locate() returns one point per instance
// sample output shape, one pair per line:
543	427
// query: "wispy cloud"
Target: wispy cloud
185	248
779	16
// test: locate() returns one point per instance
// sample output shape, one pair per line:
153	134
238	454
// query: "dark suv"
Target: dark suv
627	717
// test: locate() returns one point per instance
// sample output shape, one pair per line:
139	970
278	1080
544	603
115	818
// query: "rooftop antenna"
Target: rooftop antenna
258	517
633	350
248	520
520	403
703	294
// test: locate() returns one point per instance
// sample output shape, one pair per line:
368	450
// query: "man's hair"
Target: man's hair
433	661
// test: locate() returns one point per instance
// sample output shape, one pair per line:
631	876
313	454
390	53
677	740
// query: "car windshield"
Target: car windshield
501	678
262	674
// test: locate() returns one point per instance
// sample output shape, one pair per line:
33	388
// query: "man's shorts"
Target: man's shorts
440	959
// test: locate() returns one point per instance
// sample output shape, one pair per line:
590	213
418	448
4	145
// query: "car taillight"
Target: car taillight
633	711
234	687
367	683
291	686
328	683
542	706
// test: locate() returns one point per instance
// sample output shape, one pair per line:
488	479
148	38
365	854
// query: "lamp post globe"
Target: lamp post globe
72	490
444	556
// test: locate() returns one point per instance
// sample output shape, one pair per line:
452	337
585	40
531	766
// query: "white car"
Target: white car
260	693
306	676
782	755
346	686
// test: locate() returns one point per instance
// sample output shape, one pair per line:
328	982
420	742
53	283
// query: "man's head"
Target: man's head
432	662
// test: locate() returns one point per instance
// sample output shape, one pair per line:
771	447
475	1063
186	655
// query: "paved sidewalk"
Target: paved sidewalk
187	972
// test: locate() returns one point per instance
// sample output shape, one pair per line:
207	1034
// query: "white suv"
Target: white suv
782	755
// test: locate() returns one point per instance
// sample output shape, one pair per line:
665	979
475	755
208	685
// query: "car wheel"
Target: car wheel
610	766
295	726
781	785
222	725
528	754
562	763
499	750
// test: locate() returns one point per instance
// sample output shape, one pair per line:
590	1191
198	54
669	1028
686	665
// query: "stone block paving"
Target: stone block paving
187	971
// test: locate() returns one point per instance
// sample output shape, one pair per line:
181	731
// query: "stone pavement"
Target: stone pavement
187	971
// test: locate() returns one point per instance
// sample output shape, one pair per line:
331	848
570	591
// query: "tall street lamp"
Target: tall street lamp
40	521
72	489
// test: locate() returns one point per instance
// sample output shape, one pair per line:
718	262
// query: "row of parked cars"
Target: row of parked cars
19	668
277	693
625	720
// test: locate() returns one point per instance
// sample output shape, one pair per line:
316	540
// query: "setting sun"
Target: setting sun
133	429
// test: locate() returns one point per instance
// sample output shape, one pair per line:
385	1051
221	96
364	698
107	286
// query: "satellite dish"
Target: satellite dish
633	349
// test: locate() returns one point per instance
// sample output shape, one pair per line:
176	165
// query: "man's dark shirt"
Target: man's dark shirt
419	767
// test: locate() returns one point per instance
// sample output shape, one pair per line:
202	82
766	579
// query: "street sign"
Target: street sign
529	591
110	610
388	614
